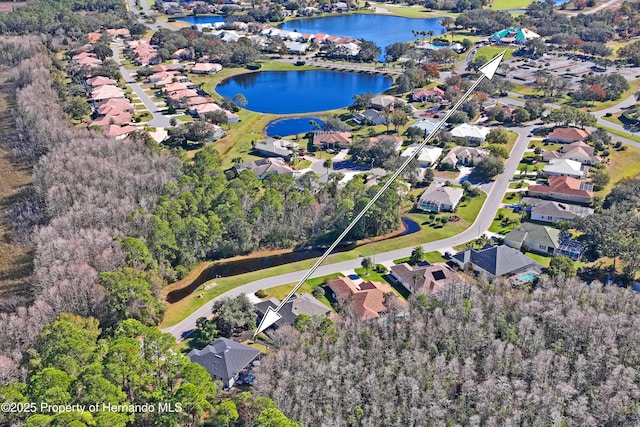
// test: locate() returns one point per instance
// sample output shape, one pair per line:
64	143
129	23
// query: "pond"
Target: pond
383	30
193	20
232	268
290	92
292	126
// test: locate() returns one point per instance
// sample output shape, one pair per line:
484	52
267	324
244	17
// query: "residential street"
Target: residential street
131	4
159	120
494	199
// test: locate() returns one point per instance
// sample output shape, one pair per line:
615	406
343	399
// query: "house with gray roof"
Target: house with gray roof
544	240
272	147
551	211
424	279
564	167
224	359
264	167
298	304
495	261
370	115
438	198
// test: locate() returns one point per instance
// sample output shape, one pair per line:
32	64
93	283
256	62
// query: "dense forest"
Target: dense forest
73	362
563	354
204	216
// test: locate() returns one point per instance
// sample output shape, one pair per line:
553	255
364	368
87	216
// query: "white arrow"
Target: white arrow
272	316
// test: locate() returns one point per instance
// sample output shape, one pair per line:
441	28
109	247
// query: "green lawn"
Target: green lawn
307	287
431	257
525	89
614	119
509	4
622	164
511	197
620	133
518	184
491	51
497	226
540	259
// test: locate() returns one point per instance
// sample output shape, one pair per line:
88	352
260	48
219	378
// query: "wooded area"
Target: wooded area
564	354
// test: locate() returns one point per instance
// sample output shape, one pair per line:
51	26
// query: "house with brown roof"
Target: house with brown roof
106	92
329	139
563	188
111	105
567	135
119	132
395	140
98	81
434	94
367	298
578	151
428	279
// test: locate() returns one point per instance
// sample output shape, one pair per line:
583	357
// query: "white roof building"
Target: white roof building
564	167
427	157
470	132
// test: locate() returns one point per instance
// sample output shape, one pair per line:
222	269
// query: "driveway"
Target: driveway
480	226
159	120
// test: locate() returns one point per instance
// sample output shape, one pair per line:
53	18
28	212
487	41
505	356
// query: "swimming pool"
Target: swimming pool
527	277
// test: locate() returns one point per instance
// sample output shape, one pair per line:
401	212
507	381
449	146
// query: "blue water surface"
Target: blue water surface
192	20
290	92
292	126
383	30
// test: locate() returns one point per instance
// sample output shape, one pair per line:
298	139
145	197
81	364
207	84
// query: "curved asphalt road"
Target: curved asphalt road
495	193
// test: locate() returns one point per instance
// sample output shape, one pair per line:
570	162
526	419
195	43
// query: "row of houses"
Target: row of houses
112	111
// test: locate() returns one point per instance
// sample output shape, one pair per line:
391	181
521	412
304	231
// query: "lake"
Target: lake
193	20
291	92
291	126
383	30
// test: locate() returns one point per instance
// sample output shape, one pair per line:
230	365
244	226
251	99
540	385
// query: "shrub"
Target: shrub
317	292
253	66
261	293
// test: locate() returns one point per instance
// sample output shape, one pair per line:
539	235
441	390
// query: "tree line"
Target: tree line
565	353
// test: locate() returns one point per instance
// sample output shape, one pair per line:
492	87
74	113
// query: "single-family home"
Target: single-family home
98	81
566	135
115	118
470	132
434	94
578	151
111	105
225	359
544	240
182	54
298	304
466	156
552	211
330	139
103	93
381	102
371	116
296	48
119	132
428	156
264	167
495	261
564	167
439	198
206	68
390	139
367	298
272	147
564	188
424	279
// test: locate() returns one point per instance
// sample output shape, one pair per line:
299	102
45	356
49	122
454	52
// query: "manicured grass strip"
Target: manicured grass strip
620	133
431	257
497	226
540	259
491	51
282	291
510	4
